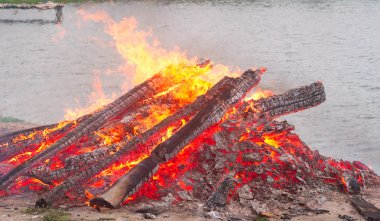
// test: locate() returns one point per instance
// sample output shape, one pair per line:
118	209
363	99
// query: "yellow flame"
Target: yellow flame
258	93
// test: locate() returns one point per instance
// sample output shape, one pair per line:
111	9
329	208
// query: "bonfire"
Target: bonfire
181	139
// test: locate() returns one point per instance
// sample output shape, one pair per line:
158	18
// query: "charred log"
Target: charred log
27	140
139	93
369	211
10	136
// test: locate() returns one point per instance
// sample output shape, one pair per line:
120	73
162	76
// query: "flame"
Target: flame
271	141
97	99
258	94
143	57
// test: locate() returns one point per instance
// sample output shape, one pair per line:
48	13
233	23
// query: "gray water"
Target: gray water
337	42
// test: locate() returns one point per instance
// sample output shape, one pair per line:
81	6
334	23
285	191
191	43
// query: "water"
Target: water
299	42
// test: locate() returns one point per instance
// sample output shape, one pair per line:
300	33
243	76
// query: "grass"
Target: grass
49	214
262	218
9	120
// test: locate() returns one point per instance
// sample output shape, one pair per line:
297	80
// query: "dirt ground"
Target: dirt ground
20	207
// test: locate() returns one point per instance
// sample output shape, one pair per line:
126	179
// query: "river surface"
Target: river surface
46	68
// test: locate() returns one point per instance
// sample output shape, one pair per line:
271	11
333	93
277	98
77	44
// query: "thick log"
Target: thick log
31	144
10	136
19	142
369	211
102	158
291	101
141	92
208	116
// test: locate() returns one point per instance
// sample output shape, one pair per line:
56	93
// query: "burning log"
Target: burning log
21	144
292	101
10	136
29	140
143	91
205	118
100	159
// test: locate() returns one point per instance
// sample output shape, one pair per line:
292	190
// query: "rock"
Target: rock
252	157
321	211
220	140
270	179
155	210
259	169
220	165
259	207
346	217
245	195
213	215
354	186
235	219
149	216
285	216
184	195
321	199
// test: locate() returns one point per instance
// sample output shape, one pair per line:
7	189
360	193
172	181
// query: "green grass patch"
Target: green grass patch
261	218
49	214
9	119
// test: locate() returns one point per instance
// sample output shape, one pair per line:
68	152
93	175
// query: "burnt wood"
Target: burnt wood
143	91
219	198
369	211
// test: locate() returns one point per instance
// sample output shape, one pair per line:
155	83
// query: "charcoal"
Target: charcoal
219	197
184	195
354	186
346	217
259	169
252	157
259	207
220	140
155	210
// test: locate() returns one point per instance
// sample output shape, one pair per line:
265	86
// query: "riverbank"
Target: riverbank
8	126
